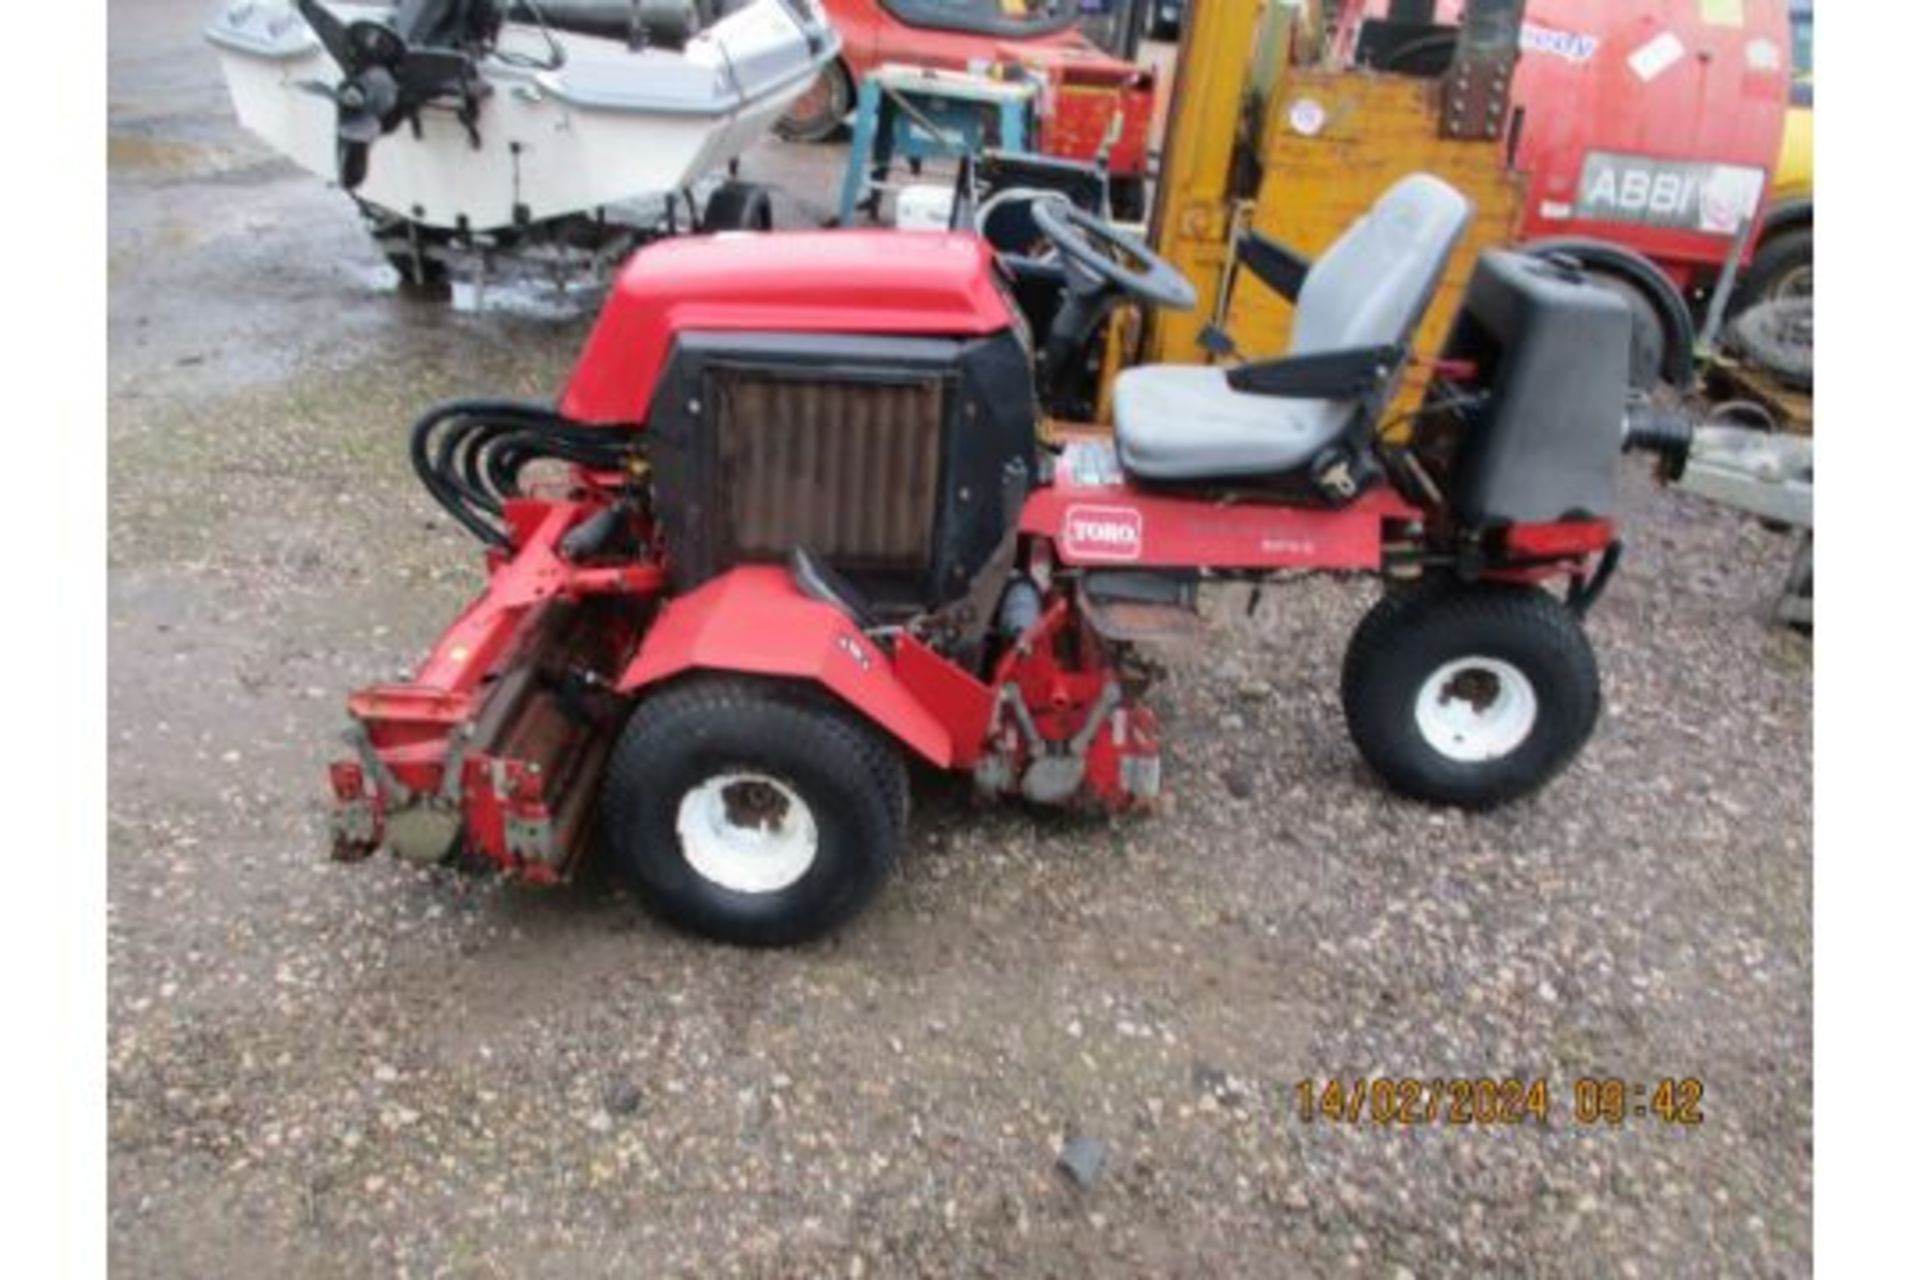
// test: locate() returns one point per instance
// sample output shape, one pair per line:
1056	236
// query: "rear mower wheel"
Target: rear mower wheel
752	812
1469	695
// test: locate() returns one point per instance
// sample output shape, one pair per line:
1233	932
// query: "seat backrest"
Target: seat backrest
1373	284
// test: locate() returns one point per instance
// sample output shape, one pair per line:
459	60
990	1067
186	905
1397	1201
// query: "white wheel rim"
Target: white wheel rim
1476	709
747	832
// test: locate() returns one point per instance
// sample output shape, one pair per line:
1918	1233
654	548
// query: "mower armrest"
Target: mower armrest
1345	374
1280	268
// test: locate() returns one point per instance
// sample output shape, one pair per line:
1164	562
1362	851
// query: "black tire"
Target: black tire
849	778
1411	636
738	206
1782	263
815	115
1777	337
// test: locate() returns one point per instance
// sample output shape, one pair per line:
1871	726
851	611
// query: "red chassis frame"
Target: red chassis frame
1057	683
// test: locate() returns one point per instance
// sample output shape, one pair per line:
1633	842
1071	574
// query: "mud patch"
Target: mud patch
168	157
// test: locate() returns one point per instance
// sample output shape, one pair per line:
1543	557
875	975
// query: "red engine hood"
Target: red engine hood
881	282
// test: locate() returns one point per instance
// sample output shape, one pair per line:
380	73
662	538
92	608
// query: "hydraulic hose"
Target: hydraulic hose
469	455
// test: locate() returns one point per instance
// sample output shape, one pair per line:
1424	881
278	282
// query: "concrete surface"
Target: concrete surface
357	1071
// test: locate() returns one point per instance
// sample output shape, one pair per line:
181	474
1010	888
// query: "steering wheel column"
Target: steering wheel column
1084	303
1102	265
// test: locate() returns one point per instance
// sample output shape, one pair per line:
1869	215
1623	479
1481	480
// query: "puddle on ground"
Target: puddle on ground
529	299
133	151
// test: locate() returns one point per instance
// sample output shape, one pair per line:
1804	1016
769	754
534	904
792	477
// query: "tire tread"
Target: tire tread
1395	625
823	727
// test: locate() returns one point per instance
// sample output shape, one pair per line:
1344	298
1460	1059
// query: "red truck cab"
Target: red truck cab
1650	128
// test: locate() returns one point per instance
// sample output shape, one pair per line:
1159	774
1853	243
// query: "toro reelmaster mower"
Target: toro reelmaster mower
805	529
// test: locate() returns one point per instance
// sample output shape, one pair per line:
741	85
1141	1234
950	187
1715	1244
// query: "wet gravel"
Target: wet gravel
370	1070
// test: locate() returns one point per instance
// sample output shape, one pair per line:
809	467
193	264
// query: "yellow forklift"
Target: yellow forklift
1269	140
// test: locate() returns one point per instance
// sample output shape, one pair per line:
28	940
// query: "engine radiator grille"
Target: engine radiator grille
848	468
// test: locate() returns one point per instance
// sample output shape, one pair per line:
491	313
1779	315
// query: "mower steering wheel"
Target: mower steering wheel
1098	254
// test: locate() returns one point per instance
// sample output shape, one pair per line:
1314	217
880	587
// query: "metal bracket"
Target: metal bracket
530	839
1585	591
1053	776
1476	90
354	830
396	792
1473	98
1102	708
1140	776
451	780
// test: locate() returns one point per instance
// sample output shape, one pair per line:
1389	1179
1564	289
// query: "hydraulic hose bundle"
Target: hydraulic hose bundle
469	454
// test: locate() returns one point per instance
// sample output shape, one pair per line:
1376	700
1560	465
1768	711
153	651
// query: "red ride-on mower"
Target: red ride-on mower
806	530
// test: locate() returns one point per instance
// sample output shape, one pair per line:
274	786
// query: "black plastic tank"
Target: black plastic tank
1551	348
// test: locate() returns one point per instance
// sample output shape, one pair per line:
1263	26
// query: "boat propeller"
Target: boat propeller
385	78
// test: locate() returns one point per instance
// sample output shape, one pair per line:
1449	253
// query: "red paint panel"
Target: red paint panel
956	699
1085	86
1115	524
879	282
1565	538
753	621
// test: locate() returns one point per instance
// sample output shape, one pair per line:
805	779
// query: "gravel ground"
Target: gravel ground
372	1071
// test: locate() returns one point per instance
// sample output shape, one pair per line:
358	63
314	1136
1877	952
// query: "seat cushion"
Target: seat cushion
1183	422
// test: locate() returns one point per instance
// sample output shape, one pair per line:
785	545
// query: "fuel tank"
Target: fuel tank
882	283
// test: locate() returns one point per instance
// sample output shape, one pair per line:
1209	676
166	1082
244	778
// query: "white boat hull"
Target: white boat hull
609	125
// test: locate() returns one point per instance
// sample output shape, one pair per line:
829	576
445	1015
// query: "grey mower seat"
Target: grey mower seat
1370	288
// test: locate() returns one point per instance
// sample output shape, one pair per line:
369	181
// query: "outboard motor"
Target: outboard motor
390	69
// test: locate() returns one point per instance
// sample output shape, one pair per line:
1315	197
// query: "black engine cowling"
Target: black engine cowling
898	461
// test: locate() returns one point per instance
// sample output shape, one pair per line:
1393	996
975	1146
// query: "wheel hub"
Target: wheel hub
1475	709
748	832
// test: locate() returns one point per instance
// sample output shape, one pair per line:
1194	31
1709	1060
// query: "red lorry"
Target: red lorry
1648	131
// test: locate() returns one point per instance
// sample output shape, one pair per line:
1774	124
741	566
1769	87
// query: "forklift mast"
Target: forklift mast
1297	138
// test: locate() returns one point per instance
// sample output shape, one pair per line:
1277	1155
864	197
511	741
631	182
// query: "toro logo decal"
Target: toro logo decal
1103	533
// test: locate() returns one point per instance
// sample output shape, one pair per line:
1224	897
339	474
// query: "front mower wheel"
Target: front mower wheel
1469	695
752	812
